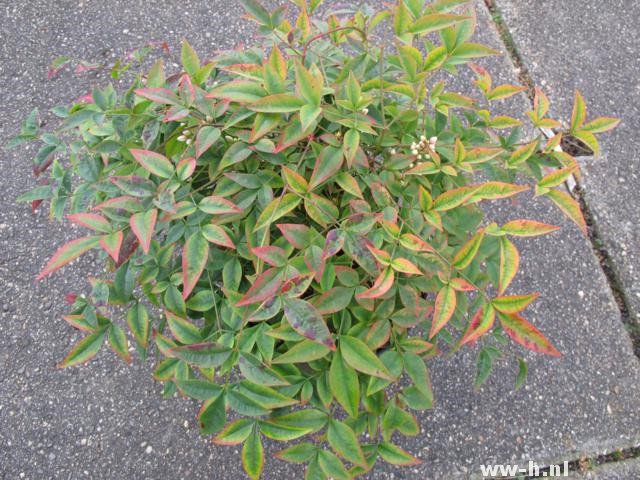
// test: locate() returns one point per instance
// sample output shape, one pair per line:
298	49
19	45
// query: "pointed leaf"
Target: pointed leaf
381	286
513	304
579	113
153	162
327	165
274	256
443	310
345	443
480	324
434	22
467	253
68	252
509	263
138	321
527	228
305	319
183	330
142	225
394	455
526	334
194	260
264	287
344	385
569	207
85	349
358	355
206	137
95	222
216	205
278	208
218	235
111	244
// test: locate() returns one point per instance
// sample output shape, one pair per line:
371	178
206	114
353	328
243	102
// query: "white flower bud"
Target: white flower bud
411	165
432	142
392	151
186	133
422	138
414	151
420	157
365	110
188	141
181	138
182	124
208	119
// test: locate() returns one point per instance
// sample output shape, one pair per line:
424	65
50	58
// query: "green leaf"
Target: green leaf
353	90
513	304
526	334
300	453
527	228
467	253
358	355
453	198
417	371
396	455
205	138
434	22
302	352
278	103
344	385
305	319
509	263
601	125
481	322
68	252
190	60
216	205
118	342
321	209
522	154
484	365
253	370
218	235
278	208
569	207
349	184
205	355
351	144
523	369
212	415
295	181
93	221
443	311
199	389
183	330
331	466
153	162
194	261
579	113
239	91
256	11
142	225
345	443
85	349
235	432
327	165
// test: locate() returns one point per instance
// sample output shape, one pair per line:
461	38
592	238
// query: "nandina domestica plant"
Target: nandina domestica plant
295	229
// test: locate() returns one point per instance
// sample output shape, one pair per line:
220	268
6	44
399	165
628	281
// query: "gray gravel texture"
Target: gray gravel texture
593	46
107	420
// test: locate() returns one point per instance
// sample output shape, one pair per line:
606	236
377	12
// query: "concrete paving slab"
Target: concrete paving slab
592	46
107	420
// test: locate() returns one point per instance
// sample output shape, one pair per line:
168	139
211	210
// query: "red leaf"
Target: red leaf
274	256
526	334
297	235
68	252
381	286
111	244
194	260
481	322
443	309
264	287
92	221
142	225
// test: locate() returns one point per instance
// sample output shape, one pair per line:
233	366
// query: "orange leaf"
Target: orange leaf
509	263
443	310
526	334
480	324
381	286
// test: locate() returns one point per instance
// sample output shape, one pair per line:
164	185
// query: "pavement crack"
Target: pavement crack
607	264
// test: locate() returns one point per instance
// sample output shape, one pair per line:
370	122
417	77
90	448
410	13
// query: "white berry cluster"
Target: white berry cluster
420	149
186	136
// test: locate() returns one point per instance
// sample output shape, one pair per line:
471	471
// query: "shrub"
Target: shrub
295	229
